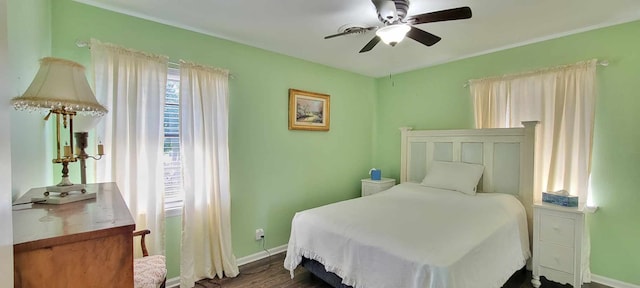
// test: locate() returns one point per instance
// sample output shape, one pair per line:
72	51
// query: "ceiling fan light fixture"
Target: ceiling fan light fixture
393	34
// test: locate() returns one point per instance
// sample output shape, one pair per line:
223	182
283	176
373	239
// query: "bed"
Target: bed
421	235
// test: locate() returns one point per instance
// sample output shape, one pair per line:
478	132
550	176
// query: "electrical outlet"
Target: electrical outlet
259	234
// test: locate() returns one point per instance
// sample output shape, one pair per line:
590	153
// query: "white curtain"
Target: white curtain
563	100
132	85
206	221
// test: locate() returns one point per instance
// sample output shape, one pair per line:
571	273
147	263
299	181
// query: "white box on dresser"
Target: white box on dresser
370	187
558	244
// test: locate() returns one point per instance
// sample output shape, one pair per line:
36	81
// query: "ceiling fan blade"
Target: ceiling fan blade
443	15
351	31
370	45
339	34
422	36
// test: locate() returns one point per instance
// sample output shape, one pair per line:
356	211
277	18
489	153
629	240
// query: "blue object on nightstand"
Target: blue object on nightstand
375	174
561	198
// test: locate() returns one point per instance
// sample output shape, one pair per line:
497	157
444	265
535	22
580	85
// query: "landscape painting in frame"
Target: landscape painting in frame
308	110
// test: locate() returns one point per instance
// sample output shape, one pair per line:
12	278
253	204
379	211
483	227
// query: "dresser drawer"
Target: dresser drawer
557	257
557	230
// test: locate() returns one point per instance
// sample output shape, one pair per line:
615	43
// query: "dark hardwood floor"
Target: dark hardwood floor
270	273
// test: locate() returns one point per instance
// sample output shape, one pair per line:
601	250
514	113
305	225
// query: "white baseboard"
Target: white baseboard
612	282
261	255
175	282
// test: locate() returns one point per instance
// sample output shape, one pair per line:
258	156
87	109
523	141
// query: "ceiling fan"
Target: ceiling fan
396	24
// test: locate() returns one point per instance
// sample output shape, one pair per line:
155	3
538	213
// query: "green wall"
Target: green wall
433	98
274	172
29	36
173	228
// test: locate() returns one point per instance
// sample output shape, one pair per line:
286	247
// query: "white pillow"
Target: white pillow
462	177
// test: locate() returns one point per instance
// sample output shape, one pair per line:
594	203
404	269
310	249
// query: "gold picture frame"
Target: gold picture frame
308	111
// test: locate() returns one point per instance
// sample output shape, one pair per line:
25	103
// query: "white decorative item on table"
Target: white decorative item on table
558	244
61	88
370	187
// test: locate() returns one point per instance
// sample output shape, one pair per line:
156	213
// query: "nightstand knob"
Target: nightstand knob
556	227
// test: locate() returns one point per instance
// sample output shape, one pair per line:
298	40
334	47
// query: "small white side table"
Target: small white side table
370	187
557	244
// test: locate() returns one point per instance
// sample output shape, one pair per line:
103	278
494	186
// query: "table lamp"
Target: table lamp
61	87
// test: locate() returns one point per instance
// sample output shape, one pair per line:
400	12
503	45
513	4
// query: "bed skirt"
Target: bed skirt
316	268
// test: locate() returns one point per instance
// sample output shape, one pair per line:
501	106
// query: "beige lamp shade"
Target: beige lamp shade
60	84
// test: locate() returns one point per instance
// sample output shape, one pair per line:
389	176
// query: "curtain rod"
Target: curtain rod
603	63
86	44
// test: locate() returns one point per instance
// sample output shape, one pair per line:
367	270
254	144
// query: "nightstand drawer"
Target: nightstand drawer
556	257
370	187
557	230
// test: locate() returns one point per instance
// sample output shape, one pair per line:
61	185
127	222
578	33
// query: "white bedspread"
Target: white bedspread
413	236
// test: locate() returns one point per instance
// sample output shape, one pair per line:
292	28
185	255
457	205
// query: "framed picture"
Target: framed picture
308	111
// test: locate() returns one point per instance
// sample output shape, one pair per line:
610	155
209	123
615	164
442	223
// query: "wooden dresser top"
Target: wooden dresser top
43	225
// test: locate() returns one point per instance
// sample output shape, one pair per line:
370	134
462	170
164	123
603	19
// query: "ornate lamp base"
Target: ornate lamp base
55	199
65	186
64	190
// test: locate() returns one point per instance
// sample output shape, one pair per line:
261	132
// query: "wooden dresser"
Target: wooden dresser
81	244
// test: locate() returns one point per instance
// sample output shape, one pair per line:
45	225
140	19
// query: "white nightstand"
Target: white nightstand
370	187
557	244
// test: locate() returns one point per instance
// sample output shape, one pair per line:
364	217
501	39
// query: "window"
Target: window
173	193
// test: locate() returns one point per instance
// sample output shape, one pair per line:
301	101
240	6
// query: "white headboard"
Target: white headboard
506	153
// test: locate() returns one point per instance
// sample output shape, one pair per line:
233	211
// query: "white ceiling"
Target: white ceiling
297	27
